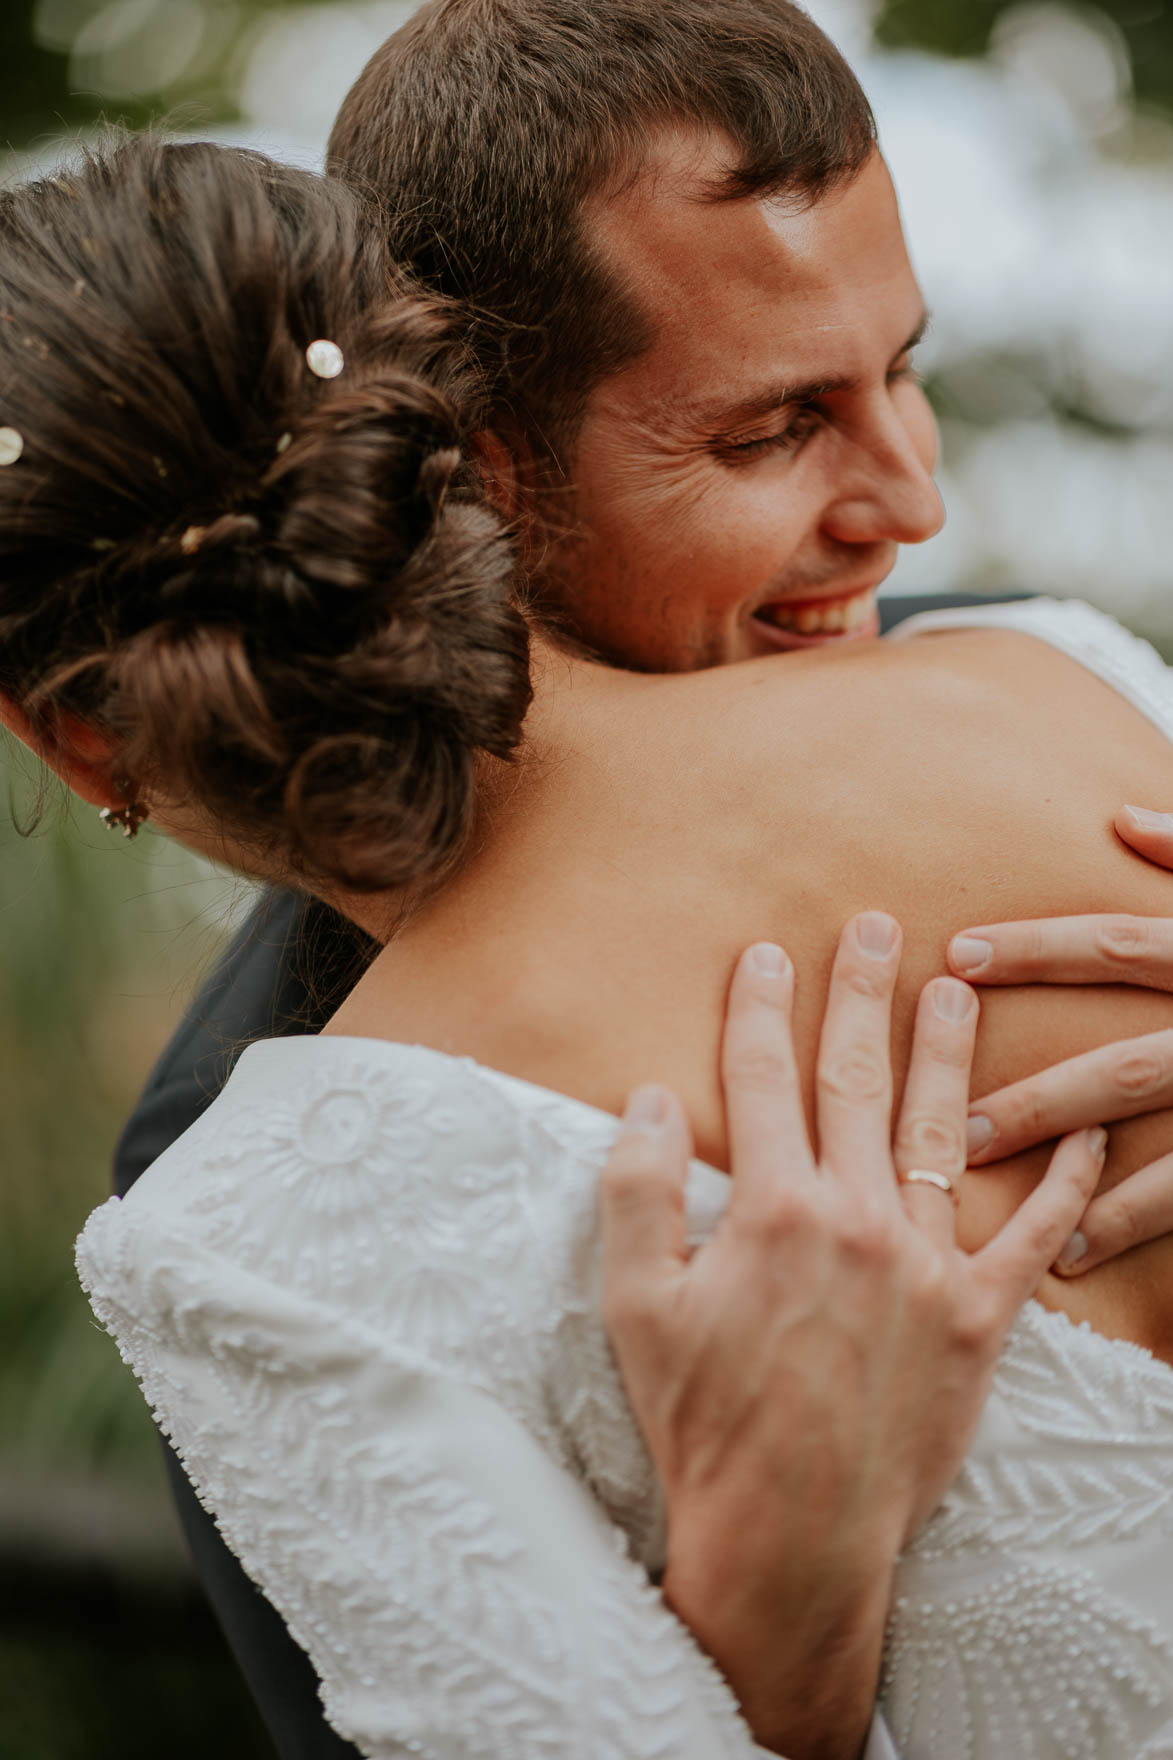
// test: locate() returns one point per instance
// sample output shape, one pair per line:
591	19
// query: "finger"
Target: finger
1139	1209
1026	1247
1068	950
1149	833
641	1192
854	1074
1114	1081
931	1129
768	1141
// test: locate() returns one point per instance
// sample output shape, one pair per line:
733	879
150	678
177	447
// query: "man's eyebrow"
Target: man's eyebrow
783	392
918	335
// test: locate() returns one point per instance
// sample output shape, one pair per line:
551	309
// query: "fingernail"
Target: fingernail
647	1109
876	934
1075	1250
969	954
979	1133
1147	820
768	961
953	1002
1097	1142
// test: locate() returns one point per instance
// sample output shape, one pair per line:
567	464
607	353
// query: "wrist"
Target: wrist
798	1638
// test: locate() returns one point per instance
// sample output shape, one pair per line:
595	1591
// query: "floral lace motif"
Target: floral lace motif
356	1243
437	1589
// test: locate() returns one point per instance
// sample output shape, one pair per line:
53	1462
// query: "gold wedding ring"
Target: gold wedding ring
927	1176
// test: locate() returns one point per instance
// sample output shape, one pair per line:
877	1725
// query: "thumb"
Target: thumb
641	1190
1149	834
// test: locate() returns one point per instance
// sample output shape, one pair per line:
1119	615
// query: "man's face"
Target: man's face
744	485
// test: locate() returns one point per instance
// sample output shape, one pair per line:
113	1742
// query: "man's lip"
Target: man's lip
789	640
840	596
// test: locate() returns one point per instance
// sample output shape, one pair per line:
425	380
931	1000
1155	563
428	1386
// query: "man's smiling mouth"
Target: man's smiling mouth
795	624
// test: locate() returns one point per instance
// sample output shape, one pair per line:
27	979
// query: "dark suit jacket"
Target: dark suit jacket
285	973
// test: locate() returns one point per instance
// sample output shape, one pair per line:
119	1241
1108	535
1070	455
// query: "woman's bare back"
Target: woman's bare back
961	778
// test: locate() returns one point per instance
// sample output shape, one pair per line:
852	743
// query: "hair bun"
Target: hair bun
308	621
368	645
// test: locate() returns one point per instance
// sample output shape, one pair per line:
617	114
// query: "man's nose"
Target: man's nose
888	494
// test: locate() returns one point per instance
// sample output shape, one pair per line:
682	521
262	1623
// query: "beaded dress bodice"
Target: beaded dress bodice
361	1296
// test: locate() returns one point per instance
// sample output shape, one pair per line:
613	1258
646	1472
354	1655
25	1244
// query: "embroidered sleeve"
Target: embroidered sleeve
459	1593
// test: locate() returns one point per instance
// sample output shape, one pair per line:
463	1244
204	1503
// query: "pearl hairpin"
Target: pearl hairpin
325	359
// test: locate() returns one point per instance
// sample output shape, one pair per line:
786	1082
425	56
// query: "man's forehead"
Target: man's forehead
737	289
651	222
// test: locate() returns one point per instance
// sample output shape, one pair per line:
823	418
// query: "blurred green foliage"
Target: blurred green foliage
963	27
33	81
40	95
99	940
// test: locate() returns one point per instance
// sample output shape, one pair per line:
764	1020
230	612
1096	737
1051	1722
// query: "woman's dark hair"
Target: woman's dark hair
278	594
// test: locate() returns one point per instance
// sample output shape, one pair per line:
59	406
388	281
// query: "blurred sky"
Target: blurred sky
1039	204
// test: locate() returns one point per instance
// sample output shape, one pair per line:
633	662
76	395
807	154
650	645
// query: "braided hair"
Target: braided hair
280	595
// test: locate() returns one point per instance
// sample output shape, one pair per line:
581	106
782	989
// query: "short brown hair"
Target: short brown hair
485	125
278	594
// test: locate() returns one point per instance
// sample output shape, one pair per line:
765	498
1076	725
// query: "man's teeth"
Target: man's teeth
834	618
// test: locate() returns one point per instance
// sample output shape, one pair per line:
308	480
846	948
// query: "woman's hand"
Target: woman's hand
808	1380
1117	1081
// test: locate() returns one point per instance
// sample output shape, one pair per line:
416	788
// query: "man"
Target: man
696	316
693	303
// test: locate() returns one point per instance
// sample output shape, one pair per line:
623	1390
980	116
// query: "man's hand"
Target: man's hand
809	1379
1118	1081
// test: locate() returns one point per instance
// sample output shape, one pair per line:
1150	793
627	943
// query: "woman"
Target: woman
246	586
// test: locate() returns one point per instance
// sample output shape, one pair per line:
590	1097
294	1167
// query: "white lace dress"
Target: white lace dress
361	1297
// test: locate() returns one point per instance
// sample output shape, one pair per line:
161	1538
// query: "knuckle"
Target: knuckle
1019	948
771	1222
1120	1219
854	1075
924	1140
631	1172
759	1069
1033	945
1122	940
629	1313
1026	1118
1140	1071
1045	1239
933	1287
623	1175
945	1044
867	1235
978	1327
872	981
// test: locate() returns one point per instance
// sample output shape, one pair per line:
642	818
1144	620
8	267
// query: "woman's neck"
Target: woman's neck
568	694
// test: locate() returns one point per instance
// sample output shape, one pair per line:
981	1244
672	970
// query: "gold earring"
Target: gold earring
126	819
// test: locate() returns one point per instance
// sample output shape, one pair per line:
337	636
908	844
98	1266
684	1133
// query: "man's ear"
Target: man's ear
500	471
81	755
